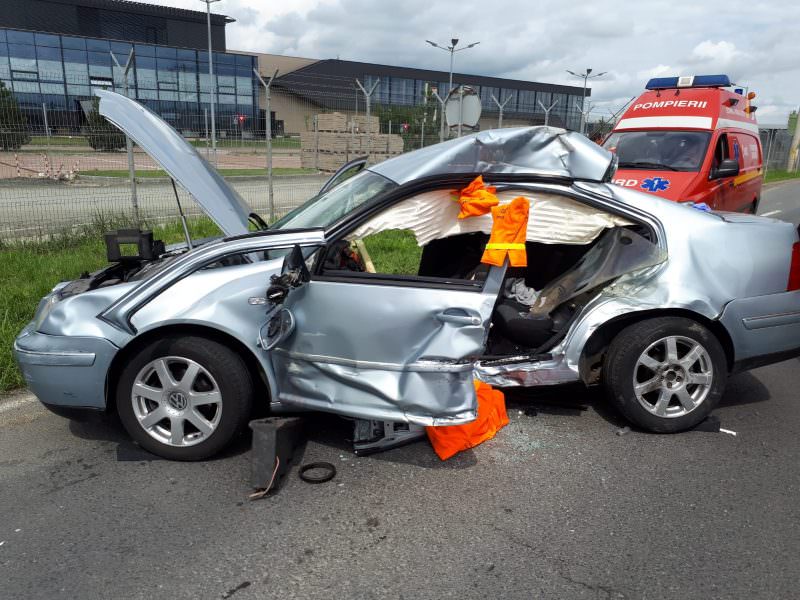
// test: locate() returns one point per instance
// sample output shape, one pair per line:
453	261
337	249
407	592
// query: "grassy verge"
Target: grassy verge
150	173
780	175
28	271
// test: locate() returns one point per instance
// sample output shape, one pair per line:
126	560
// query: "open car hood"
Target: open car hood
179	159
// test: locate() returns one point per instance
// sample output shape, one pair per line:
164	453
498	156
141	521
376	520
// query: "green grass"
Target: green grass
394	251
58	140
780	175
150	173
28	271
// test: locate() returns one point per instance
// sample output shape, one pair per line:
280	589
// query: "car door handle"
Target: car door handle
460	318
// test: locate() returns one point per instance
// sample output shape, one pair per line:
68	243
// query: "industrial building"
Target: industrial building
53	52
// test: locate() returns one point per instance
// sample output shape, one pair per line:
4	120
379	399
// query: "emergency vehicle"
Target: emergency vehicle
691	139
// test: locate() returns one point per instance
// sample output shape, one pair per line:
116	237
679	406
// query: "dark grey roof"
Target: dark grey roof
325	80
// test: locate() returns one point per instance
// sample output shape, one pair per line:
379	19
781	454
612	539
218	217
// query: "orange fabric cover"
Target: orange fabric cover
452	439
476	199
509	228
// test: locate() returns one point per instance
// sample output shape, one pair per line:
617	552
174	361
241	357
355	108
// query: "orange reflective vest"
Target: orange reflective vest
452	439
509	229
476	199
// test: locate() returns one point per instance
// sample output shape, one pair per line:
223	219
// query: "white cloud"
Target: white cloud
631	40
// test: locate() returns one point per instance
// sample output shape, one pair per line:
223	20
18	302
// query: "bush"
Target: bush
101	134
13	124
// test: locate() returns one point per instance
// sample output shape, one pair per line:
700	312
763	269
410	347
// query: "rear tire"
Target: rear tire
665	374
184	398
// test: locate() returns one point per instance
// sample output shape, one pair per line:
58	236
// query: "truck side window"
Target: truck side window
721	151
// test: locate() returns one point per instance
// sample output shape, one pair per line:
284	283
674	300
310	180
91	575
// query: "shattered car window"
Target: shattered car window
328	207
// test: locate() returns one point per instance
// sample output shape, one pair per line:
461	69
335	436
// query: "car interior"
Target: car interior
573	250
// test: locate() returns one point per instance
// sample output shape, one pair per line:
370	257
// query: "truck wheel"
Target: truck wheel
184	398
665	374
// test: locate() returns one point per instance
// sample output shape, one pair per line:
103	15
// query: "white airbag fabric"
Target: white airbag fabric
554	219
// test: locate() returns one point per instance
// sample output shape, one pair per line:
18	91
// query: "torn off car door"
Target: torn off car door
392	350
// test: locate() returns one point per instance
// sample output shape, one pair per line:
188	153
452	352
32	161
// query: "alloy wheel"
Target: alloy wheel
176	401
673	376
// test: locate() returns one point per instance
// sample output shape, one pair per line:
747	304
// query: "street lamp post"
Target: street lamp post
585	76
452	50
213	91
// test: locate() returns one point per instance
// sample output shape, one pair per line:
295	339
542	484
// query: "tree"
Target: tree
13	124
101	134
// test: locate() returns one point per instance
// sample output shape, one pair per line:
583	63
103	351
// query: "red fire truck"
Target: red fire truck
691	139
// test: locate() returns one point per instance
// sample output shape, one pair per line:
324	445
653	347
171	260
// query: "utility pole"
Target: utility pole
213	90
547	110
452	50
585	76
368	96
128	143
500	107
267	85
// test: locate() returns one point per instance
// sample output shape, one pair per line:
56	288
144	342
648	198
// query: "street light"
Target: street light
452	50
585	76
211	81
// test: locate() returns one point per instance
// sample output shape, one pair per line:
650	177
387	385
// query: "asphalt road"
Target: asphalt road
558	505
30	209
782	201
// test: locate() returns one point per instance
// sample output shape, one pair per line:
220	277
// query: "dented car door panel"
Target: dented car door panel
392	352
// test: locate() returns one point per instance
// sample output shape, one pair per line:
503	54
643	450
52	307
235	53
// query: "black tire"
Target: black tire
621	367
229	376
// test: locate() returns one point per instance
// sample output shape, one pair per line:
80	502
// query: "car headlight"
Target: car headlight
46	304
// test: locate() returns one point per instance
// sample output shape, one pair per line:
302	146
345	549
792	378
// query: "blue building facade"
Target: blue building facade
54	74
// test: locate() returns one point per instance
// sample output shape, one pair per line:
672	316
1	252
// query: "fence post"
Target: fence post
316	143
128	143
547	111
368	96
267	85
501	107
441	109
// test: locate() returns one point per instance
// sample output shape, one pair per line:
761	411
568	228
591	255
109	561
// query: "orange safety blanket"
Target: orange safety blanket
476	199
449	440
509	228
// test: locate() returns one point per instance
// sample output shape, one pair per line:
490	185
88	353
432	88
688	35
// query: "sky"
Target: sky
756	43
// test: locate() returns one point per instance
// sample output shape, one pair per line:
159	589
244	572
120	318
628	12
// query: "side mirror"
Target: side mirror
294	273
727	168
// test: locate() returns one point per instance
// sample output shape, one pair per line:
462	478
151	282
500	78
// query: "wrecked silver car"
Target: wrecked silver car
656	301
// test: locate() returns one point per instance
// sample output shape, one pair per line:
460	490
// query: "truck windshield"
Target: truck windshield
330	206
670	150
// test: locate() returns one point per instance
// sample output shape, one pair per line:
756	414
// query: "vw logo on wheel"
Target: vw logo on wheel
177	400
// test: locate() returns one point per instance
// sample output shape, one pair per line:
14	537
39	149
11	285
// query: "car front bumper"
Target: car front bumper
64	371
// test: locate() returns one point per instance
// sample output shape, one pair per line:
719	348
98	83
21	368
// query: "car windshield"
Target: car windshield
327	208
670	150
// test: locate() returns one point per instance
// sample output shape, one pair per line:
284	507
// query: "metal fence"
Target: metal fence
64	169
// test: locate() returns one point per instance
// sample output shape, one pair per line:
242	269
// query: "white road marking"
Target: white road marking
14	404
770	213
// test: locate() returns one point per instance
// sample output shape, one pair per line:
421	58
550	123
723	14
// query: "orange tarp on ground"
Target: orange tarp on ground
452	439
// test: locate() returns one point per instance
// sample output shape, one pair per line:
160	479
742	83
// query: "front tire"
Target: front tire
665	374
184	398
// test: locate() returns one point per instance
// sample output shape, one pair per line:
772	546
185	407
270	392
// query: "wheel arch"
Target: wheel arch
260	385
591	360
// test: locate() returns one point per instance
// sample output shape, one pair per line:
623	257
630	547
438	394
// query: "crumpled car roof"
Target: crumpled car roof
541	151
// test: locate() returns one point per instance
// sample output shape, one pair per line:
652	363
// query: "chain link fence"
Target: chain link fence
64	169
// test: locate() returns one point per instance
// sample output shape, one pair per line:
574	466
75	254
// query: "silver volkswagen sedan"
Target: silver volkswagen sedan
370	300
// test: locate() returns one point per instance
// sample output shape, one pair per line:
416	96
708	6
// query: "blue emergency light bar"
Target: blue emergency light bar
691	81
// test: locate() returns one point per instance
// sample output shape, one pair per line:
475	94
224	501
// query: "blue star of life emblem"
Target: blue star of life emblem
655	184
